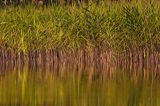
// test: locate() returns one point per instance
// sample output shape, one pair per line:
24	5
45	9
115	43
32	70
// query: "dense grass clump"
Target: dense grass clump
125	34
109	34
115	26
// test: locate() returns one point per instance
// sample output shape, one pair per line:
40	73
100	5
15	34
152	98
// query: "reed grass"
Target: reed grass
115	26
129	29
56	2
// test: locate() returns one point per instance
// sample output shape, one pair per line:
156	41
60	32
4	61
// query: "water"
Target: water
73	87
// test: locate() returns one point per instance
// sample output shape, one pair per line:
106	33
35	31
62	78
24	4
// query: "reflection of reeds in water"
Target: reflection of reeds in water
95	59
79	77
67	86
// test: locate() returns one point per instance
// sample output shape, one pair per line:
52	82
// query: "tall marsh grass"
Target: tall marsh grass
71	27
129	29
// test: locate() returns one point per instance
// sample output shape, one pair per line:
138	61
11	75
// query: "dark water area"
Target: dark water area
71	85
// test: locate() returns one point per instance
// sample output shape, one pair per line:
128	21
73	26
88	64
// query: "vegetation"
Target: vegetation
55	2
80	54
71	27
85	33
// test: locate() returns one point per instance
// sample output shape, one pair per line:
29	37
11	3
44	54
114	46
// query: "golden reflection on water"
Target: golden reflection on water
73	87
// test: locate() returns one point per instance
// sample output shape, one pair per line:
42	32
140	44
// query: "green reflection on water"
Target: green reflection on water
77	88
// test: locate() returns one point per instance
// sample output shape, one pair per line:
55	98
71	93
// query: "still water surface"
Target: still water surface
72	87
